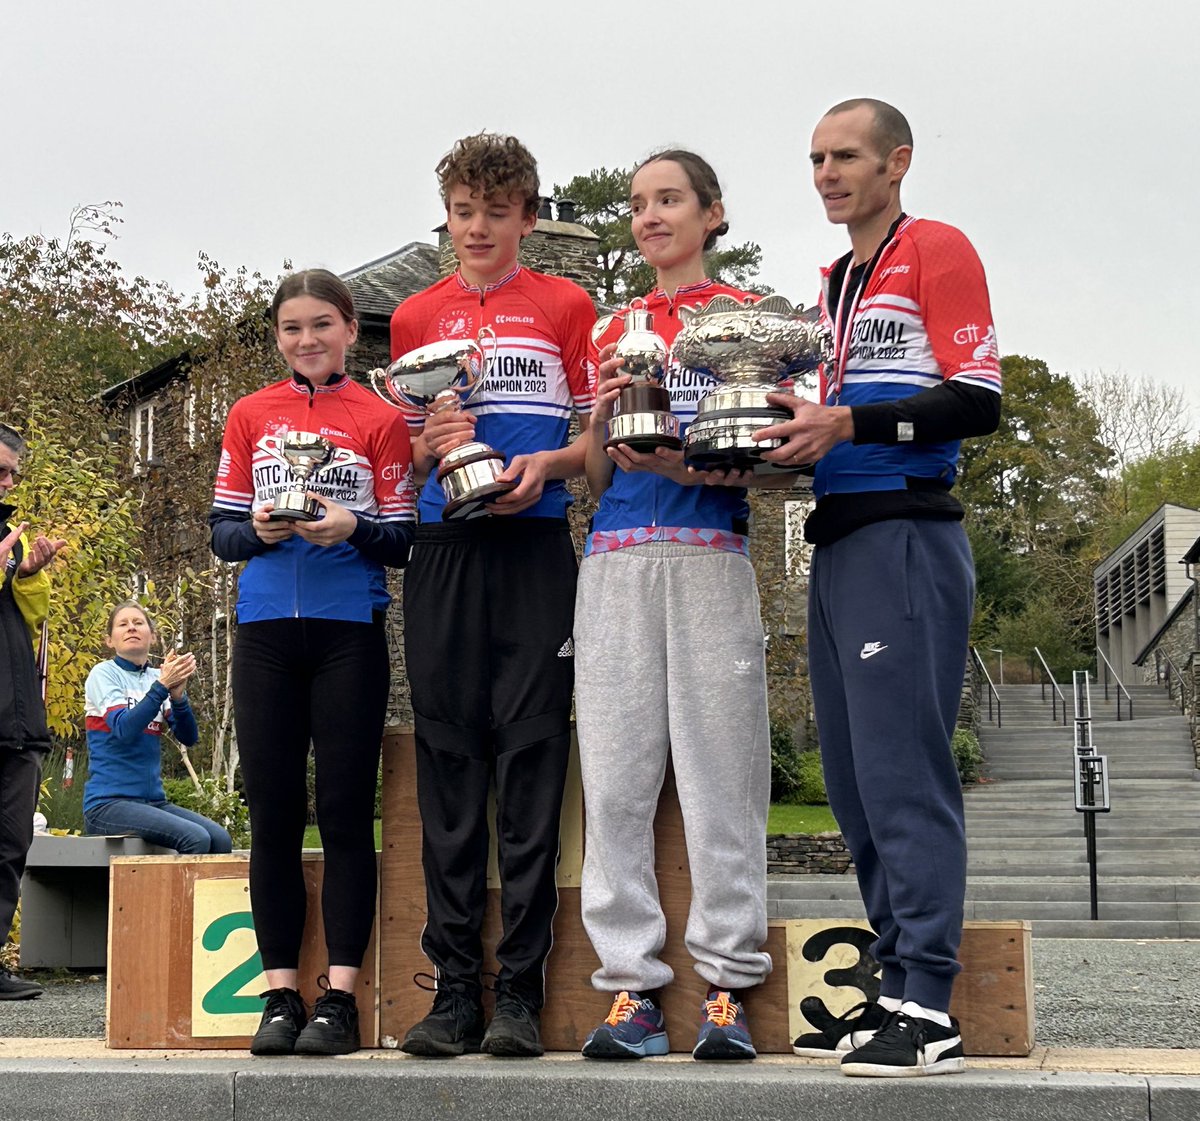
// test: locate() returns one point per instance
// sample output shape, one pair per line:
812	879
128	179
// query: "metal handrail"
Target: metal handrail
1171	668
992	693
1055	697
1121	690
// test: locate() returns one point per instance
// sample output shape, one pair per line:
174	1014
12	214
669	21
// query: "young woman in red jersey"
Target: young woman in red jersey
310	663
670	660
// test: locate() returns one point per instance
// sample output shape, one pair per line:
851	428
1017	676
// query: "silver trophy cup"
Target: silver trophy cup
643	419
749	349
306	454
446	375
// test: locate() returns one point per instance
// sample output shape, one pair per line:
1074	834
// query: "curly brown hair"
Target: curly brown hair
491	164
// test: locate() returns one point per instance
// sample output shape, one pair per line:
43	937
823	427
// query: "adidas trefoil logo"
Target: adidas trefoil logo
870	649
567	649
741	667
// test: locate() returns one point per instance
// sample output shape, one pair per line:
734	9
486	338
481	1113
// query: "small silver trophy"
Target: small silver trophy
643	419
446	375
749	348
306	454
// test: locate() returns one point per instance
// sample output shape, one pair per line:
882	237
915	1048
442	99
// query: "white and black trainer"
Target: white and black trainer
854	1028
908	1047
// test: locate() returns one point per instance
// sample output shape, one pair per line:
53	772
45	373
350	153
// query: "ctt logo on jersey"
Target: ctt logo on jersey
455	324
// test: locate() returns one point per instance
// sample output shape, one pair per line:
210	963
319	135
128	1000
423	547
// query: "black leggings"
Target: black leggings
324	680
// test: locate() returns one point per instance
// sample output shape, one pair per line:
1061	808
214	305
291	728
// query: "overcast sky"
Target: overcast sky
1062	137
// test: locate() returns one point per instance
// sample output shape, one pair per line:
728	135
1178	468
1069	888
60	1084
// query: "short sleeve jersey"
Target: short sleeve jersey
924	317
641	506
539	376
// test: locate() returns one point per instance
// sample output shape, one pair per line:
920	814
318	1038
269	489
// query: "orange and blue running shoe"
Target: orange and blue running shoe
724	1033
633	1029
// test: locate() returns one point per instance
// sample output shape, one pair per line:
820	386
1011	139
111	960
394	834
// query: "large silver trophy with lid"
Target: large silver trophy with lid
750	349
305	453
446	375
643	419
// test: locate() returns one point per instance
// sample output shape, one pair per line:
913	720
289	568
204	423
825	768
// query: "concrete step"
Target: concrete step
1071	889
1005	910
368	1086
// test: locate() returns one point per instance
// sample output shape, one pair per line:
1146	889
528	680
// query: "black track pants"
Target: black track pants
488	613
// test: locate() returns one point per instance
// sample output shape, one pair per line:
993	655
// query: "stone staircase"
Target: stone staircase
1028	857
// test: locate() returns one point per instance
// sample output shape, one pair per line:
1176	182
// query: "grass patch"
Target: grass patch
783	818
312	836
787	818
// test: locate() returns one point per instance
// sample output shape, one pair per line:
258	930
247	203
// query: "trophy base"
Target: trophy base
644	431
723	441
468	478
292	506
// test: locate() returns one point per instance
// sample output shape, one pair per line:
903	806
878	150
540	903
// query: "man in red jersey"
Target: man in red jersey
489	605
915	369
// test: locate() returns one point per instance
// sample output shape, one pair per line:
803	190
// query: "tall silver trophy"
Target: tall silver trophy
643	419
447	375
749	349
306	454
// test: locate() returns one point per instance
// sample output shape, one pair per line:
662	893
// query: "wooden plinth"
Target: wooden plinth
993	997
573	1007
165	956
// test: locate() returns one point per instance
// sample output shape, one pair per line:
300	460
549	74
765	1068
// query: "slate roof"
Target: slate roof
380	285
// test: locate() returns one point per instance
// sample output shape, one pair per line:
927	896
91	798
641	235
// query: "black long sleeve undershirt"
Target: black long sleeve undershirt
950	411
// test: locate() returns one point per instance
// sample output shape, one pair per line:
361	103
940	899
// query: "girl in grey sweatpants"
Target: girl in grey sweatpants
669	657
669	661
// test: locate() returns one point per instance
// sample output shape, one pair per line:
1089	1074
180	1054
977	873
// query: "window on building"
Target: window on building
142	425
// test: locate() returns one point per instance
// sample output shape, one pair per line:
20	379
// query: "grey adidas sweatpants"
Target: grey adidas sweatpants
669	657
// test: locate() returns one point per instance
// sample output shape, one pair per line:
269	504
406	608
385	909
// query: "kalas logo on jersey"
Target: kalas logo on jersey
454	325
901	269
527	319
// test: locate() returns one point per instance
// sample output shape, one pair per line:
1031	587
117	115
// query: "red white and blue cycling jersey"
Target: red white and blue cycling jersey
923	318
127	708
540	375
371	475
641	506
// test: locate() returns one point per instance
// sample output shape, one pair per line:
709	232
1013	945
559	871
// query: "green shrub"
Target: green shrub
967	755
62	805
785	764
810	789
213	801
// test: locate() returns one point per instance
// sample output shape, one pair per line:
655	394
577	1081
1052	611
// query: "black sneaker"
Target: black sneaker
515	1029
852	1029
333	1028
908	1047
13	987
454	1025
283	1020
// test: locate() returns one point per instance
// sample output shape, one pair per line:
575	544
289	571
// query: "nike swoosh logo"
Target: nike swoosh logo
870	650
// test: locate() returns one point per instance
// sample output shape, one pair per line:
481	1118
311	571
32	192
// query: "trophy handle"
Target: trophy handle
388	395
485	337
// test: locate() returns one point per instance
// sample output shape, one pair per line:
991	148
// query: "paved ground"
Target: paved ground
1088	993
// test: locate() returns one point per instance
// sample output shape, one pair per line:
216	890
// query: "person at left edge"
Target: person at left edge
489	606
311	661
24	736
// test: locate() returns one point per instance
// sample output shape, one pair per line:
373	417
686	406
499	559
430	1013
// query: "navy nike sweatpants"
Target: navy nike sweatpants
889	610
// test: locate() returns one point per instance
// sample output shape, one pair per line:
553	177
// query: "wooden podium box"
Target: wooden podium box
183	968
993	997
183	965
